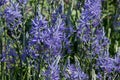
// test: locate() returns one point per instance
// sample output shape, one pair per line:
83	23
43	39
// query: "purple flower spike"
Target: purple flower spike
50	38
13	15
106	64
53	70
74	73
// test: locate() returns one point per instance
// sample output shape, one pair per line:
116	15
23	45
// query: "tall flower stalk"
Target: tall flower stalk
91	34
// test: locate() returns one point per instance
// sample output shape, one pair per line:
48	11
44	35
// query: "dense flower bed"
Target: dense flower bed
59	40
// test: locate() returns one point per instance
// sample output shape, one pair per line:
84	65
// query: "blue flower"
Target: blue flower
89	32
47	39
75	73
53	70
106	64
38	33
13	15
91	11
90	15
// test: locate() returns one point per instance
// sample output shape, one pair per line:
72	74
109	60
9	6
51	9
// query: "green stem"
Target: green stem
42	6
1	45
108	21
36	7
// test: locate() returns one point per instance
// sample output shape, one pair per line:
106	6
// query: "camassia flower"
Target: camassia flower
53	70
10	57
90	15
90	32
38	33
107	64
44	38
74	73
12	15
92	35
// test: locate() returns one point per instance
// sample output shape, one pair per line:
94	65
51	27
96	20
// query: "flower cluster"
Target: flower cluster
109	65
50	37
53	70
75	73
89	30
93	36
13	15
